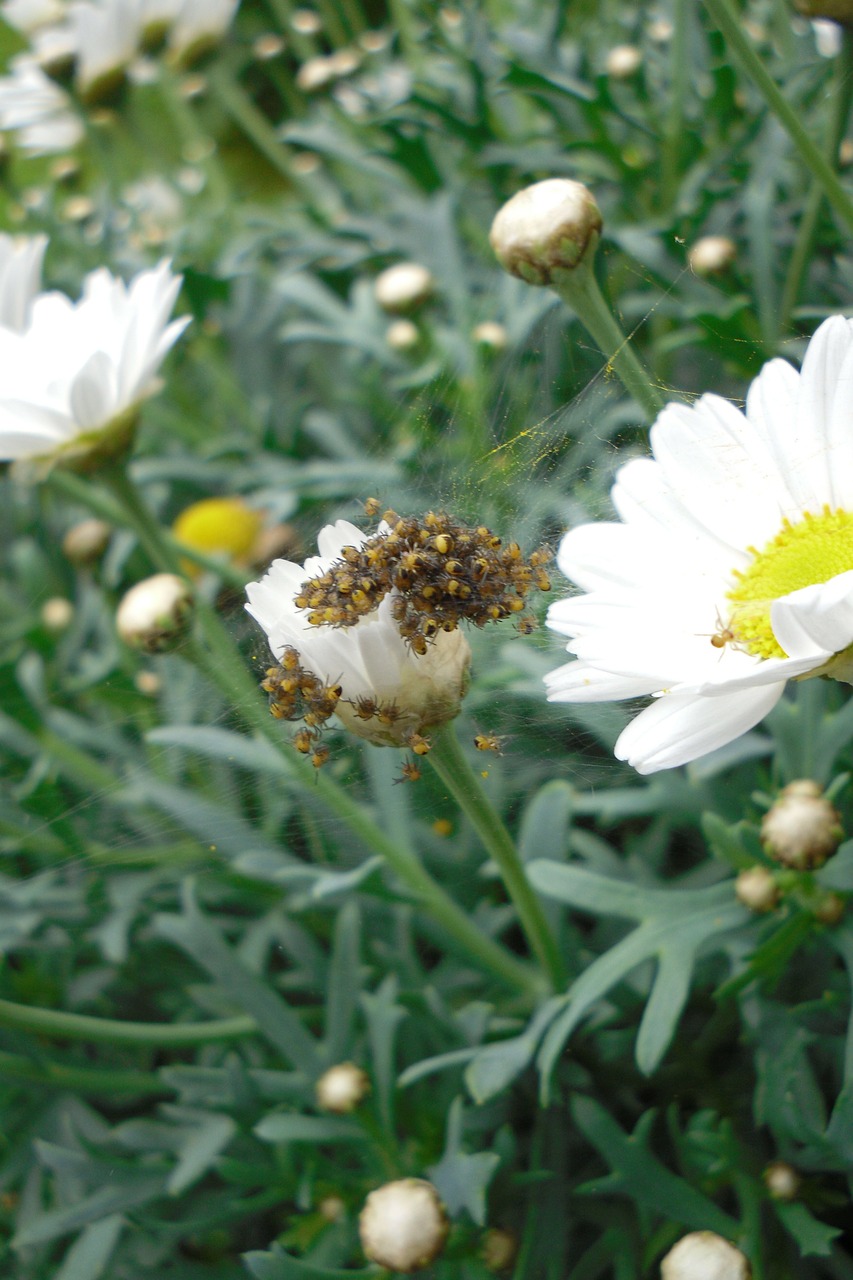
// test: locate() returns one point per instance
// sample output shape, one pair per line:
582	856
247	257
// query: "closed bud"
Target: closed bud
57	613
711	255
403	287
499	1250
703	1255
802	829
757	889
782	1180
490	334
342	1088
86	542
332	1208
402	335
830	908
403	1225
546	229
154	615
623	61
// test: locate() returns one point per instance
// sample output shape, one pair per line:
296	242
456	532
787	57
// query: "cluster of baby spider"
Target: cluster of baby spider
295	693
440	573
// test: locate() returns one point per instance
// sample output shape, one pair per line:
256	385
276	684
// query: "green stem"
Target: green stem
253	123
216	653
77	1026
452	766
579	289
91	1080
730	25
807	230
673	139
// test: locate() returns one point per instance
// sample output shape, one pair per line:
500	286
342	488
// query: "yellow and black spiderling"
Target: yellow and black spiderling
489	742
440	573
295	693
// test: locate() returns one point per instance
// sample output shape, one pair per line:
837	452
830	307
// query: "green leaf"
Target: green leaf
343	983
639	1174
495	1066
91	1251
115	1197
283	1126
461	1179
279	1265
814	1238
674	925
222	744
204	1143
277	1023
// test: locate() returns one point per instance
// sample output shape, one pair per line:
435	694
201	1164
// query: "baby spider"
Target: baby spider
489	742
409	772
372	507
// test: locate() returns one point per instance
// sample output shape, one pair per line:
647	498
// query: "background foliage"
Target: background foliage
164	865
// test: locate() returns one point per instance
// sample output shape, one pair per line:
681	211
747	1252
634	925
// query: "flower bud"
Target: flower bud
315	74
86	542
703	1255
403	287
341	1088
403	1225
402	335
490	334
711	255
154	614
57	613
830	909
802	829
782	1180
623	61
306	22
148	683
500	1247
757	889
546	229
268	46
332	1208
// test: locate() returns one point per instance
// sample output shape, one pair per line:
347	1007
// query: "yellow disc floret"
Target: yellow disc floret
814	550
219	526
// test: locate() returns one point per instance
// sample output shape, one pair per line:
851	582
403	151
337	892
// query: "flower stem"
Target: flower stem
217	655
77	1026
87	1080
807	230
731	27
579	290
452	766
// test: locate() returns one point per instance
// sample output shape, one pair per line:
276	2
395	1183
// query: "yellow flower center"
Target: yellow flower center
814	550
218	526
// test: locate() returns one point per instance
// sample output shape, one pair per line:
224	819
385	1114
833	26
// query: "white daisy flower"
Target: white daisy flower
372	663
107	34
72	379
199	25
36	110
732	569
28	16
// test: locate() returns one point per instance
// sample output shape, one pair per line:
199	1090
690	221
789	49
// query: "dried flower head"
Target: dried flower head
548	228
403	1225
802	829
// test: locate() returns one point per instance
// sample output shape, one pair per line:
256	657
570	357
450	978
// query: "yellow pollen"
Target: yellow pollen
814	550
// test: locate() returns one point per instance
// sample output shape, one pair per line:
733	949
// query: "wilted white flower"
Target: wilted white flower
71	380
36	110
403	1225
370	661
732	569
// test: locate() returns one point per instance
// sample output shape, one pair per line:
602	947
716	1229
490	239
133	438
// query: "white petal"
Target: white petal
678	728
821	388
816	619
581	682
93	398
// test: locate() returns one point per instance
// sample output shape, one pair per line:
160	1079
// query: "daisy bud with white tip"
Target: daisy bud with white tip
403	287
86	542
546	229
703	1255
499	1249
402	335
403	1225
711	255
802	829
491	335
342	1088
782	1180
155	614
56	613
623	61
757	889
